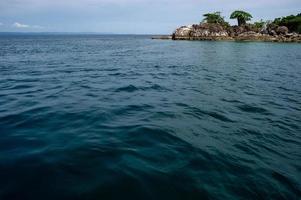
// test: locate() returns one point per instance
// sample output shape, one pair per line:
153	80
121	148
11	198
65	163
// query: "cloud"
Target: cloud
1	23
19	25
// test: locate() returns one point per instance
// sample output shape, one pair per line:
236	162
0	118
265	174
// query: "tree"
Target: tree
241	16
215	18
292	22
259	24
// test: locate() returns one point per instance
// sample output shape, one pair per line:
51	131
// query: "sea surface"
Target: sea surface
126	117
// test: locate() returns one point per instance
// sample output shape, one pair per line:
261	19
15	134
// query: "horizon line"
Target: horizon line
73	33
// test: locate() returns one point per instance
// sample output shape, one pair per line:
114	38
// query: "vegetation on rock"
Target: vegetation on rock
214	27
259	24
292	22
215	18
241	16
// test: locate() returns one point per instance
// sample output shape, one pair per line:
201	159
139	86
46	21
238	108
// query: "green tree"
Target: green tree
241	16
292	22
215	18
259	24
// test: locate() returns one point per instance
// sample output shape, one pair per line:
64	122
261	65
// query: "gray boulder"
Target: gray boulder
282	30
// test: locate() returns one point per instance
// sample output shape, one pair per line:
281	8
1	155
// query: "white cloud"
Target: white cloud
19	25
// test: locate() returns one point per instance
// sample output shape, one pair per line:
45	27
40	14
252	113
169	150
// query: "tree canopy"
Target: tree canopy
241	16
259	24
215	18
292	22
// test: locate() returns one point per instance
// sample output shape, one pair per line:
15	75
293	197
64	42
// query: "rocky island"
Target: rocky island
214	27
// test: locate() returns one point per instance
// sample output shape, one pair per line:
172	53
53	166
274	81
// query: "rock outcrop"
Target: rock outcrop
282	30
206	31
203	31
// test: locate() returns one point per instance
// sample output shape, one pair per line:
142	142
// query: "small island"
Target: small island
214	27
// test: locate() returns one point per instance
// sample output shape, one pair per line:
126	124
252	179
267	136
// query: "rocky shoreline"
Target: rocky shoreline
216	32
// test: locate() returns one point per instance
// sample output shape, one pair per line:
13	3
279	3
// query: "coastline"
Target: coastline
229	39
260	38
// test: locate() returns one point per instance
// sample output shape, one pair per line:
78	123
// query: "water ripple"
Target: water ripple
252	109
113	117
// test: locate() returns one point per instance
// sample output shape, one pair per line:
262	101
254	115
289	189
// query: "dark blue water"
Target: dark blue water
127	117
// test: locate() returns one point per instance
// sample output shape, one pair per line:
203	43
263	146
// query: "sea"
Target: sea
87	116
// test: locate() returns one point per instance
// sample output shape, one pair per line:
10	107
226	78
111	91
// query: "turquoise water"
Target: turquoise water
127	117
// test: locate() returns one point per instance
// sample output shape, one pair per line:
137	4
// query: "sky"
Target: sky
128	16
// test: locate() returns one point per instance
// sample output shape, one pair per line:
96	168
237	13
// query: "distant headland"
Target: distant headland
214	27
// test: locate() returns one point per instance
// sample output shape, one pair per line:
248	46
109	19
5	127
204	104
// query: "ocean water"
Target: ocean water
127	117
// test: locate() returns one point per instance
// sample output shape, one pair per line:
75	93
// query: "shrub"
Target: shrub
292	22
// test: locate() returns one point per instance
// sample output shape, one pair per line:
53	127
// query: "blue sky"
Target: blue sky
127	16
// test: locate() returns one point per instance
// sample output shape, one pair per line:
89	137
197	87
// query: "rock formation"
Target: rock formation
203	31
248	32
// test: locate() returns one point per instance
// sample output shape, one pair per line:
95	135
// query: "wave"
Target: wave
252	109
132	88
